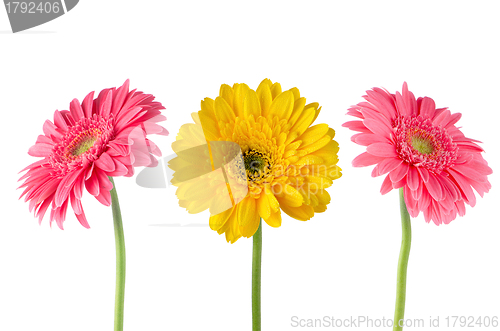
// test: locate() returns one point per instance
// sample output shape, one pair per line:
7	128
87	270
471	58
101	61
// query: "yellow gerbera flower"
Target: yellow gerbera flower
262	156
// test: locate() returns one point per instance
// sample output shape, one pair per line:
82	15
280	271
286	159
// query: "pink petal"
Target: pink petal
76	204
118	148
65	186
87	105
104	182
416	194
412	178
59	121
385	166
354	111
460	207
49	129
105	108
451	188
399	173
386	185
377	128
470	172
120	169
83	220
424	174
41	150
119	97
78	188
356	126
425	199
382	150
464	186
375	115
427	108
434	188
366	159
454	118
76	110
409	100
105	162
366	139
383	101
104	197
401	107
92	184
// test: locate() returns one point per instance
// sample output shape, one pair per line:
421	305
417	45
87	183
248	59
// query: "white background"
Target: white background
343	262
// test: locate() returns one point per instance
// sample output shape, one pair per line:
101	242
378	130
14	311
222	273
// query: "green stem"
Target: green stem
120	259
404	254
256	272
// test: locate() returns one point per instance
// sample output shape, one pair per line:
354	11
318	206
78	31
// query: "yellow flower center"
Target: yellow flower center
422	145
83	145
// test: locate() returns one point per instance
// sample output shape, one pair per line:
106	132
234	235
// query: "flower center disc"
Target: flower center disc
256	165
422	145
83	145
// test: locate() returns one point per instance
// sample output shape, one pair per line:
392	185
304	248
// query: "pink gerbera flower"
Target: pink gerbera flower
98	138
420	149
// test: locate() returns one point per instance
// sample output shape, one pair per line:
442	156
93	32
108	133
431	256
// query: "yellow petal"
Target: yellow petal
329	158
316	145
303	122
210	127
220	200
240	92
320	181
317	110
196	118
319	208
265	98
323	197
226	92
246	211
332	147
313	134
223	111
298	108
293	145
251	105
282	106
198	206
208	105
248	218
313	200
233	230
217	221
274	219
291	195
265	81
273	202
275	90
263	206
302	213
296	93
309	160
334	172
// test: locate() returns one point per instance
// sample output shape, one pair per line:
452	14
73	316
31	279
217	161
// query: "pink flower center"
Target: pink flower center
422	144
83	143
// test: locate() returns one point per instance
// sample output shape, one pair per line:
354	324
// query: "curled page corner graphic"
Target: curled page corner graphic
25	15
152	177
